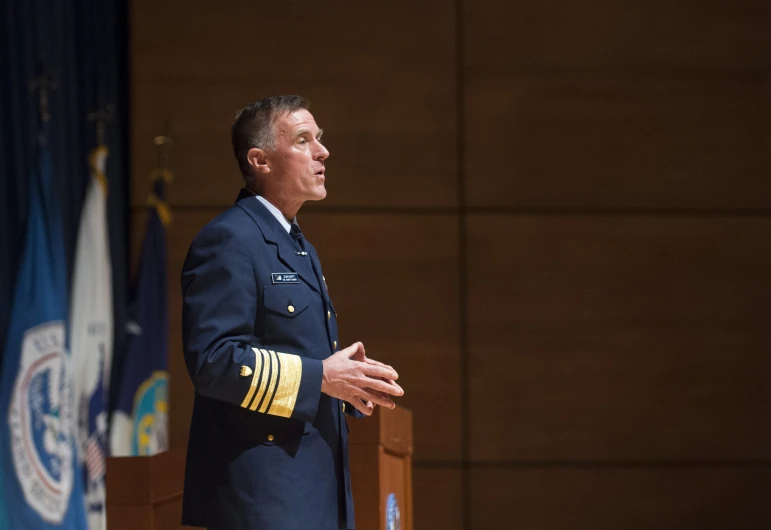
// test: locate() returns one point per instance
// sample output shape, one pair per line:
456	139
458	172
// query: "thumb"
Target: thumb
359	354
351	350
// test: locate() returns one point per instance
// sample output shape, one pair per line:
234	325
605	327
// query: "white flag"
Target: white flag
91	336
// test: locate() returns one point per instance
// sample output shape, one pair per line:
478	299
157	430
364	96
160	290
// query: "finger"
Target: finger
382	395
385	387
376	398
382	372
364	408
397	386
373	362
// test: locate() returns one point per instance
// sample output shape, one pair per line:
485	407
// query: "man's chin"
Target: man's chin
319	195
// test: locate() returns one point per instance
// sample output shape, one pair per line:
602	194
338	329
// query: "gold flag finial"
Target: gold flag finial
164	143
43	85
101	116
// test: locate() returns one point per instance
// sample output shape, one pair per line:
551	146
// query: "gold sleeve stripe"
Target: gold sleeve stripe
255	378
263	378
273	381
288	387
269	397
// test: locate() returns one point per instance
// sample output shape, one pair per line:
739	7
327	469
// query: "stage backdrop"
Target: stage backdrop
82	46
552	217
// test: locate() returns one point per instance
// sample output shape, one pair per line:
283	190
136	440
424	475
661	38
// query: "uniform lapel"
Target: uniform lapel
287	254
317	269
287	249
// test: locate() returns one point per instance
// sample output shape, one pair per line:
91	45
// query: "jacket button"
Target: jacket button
334	344
329	315
342	406
290	309
270	437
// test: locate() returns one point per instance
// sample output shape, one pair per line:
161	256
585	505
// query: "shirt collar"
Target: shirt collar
277	214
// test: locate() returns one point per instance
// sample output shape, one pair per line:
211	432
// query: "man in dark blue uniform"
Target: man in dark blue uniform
268	438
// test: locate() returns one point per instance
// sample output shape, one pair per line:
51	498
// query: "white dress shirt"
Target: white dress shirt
277	214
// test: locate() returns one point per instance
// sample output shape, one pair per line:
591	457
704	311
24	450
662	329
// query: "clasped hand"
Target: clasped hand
351	376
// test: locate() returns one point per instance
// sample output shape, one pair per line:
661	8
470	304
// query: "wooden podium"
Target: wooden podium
146	491
380	453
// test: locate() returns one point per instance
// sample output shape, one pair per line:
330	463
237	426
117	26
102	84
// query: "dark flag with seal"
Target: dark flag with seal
140	420
42	486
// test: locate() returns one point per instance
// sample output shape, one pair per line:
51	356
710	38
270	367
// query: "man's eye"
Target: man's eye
303	141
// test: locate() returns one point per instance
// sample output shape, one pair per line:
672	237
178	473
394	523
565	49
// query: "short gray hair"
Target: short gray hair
253	126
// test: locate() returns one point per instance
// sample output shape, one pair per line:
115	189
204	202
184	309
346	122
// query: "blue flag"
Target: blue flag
42	484
140	420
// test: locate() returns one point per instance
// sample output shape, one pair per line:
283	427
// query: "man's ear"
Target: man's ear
258	160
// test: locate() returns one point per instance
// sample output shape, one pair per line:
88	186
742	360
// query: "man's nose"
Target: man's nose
322	153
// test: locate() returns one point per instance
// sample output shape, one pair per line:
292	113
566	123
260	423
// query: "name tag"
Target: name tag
284	277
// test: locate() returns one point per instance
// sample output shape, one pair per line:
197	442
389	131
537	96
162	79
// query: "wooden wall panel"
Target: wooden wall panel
394	282
632	499
617	142
593	340
381	81
440	501
659	35
605	337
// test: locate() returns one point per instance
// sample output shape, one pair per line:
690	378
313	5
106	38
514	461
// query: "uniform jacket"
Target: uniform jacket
267	450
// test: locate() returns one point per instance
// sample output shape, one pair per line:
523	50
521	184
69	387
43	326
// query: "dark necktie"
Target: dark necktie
298	236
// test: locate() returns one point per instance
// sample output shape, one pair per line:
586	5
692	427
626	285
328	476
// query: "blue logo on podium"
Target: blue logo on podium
393	517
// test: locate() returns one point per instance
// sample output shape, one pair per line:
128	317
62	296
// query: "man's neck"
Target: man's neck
288	209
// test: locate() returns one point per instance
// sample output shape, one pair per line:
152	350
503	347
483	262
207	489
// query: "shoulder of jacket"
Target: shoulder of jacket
233	223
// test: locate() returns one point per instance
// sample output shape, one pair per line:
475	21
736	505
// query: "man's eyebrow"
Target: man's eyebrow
303	132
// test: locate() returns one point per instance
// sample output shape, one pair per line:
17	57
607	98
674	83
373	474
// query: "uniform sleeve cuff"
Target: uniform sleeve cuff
310	390
283	385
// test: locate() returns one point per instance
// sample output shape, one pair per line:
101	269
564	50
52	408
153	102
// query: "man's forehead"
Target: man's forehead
299	119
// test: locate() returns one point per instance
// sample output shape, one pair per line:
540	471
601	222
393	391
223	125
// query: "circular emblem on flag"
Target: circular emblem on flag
393	517
40	421
151	406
